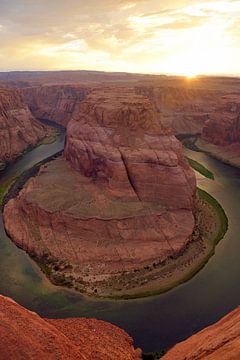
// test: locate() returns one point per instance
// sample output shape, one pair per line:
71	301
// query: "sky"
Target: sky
179	37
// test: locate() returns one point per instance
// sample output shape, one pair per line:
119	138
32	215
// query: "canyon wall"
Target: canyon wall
184	110
223	126
218	341
54	102
221	132
123	202
18	128
24	335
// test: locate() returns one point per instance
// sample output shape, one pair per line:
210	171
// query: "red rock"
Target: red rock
18	128
223	126
123	200
24	335
220	341
54	102
182	109
116	137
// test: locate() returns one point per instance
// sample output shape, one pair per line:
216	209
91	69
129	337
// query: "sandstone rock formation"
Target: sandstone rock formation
223	126
184	110
122	202
221	133
18	128
54	102
24	335
220	341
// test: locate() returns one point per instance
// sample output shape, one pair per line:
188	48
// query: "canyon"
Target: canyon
133	205
18	128
53	102
122	168
204	106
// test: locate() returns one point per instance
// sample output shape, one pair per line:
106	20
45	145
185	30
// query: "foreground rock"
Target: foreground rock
18	127
121	204
218	341
24	335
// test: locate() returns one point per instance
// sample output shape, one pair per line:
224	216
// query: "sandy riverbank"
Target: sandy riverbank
228	154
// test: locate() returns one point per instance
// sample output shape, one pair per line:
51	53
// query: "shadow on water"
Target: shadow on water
155	322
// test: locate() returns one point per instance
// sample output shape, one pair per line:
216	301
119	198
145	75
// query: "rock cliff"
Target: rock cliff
120	205
184	110
18	128
221	133
116	138
218	341
24	335
223	126
54	102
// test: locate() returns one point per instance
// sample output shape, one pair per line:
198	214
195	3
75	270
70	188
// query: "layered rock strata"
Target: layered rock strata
221	133
54	102
123	199
218	341
184	110
24	335
223	126
18	128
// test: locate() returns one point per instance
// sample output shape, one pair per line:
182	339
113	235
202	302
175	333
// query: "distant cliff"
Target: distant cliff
184	110
54	102
223	126
18	128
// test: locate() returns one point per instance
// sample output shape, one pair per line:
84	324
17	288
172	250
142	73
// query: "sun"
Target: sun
191	75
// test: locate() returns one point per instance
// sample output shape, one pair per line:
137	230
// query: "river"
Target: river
155	322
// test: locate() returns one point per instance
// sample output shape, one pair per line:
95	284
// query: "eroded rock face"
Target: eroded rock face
54	102
221	133
123	200
24	335
18	127
218	341
116	138
184	110
223	126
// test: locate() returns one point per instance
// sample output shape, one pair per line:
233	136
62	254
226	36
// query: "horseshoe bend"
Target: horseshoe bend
119	214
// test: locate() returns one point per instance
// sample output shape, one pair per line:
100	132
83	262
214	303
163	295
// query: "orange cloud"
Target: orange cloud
135	35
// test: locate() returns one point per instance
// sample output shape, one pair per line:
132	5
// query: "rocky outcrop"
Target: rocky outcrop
121	204
184	110
24	335
223	126
218	341
18	127
54	102
116	138
221	133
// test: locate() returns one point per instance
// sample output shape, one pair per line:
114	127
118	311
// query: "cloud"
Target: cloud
137	35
